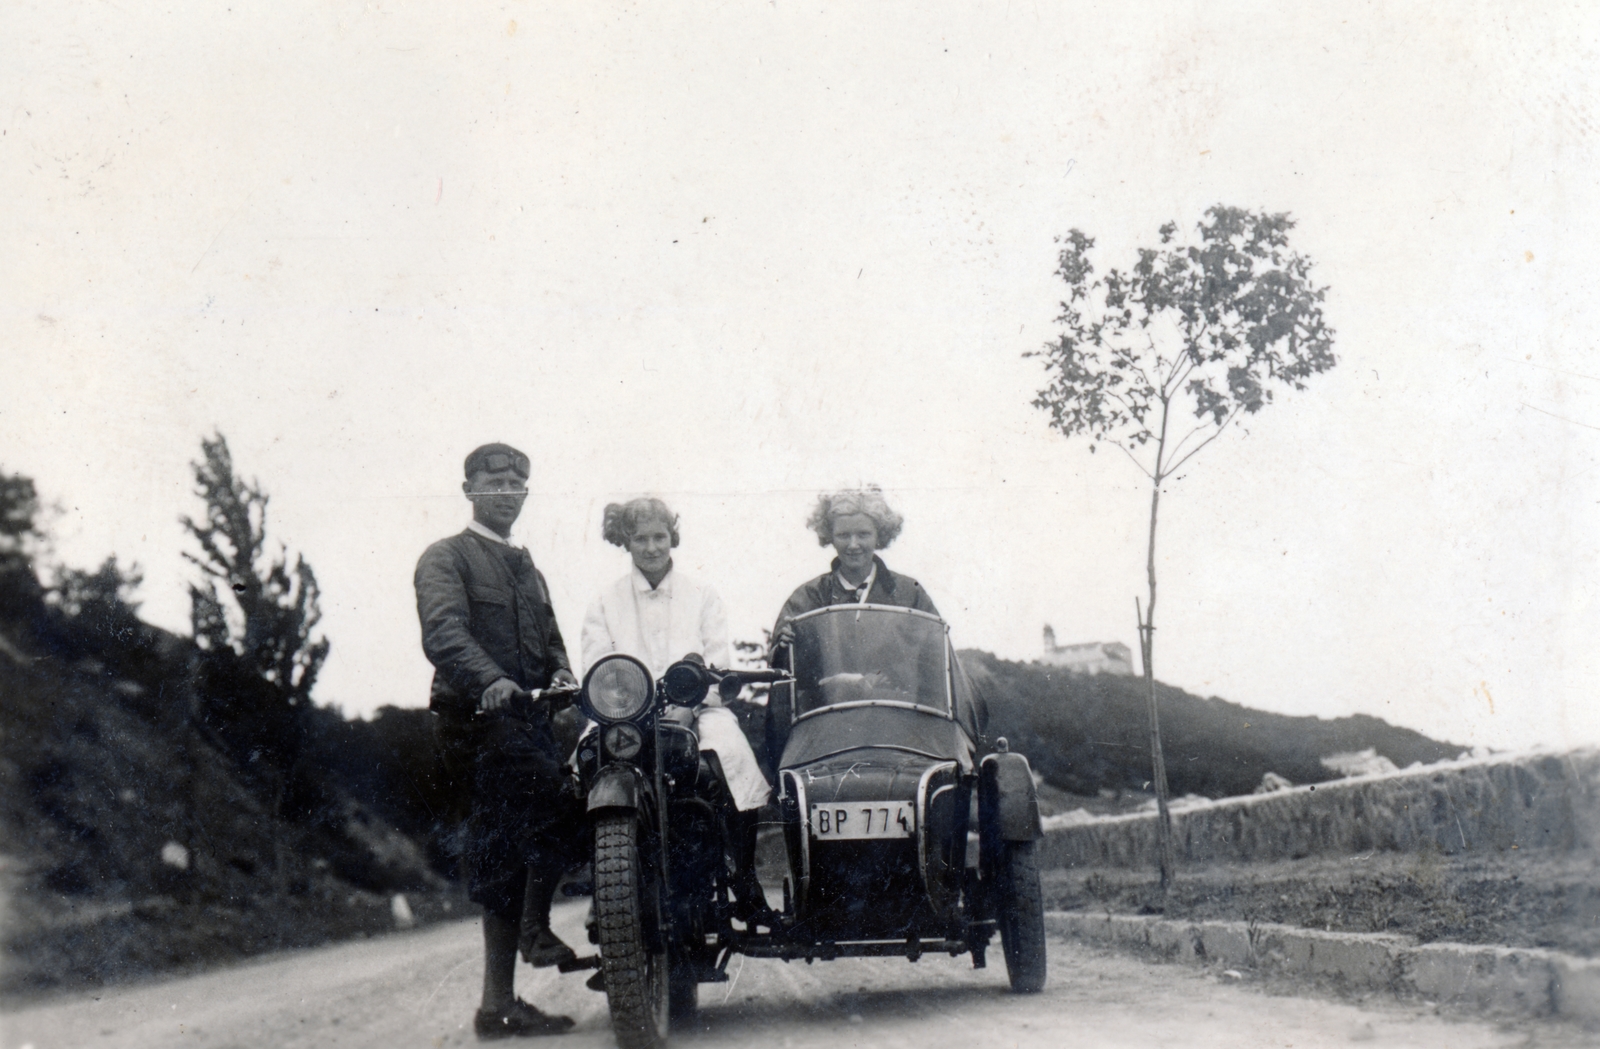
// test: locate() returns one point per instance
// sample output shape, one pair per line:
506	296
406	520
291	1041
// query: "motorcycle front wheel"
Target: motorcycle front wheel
636	977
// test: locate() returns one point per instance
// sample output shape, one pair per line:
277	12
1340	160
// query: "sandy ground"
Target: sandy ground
419	989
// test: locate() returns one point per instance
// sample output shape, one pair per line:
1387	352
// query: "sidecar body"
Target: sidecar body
906	831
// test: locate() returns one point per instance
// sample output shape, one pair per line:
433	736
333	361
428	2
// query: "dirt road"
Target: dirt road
419	990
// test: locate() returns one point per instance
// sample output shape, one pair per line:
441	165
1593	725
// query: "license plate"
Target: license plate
853	821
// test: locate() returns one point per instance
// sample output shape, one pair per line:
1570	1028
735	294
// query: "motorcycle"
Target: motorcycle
663	820
883	766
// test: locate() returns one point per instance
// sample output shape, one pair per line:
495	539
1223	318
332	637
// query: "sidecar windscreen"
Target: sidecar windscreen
850	655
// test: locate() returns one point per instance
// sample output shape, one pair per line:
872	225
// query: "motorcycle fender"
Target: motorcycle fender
616	787
1007	802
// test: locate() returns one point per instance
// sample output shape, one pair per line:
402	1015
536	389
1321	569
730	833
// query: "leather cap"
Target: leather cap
494	457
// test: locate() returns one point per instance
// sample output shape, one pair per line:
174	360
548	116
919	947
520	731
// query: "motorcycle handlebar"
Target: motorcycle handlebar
553	692
524	702
760	677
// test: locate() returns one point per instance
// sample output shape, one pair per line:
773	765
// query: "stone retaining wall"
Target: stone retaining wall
1498	804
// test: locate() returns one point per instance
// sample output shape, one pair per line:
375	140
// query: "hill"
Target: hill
136	839
1087	733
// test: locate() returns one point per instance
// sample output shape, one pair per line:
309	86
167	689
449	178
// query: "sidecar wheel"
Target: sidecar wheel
1022	917
636	978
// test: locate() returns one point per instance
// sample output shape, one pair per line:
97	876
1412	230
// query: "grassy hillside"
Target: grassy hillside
135	837
1085	733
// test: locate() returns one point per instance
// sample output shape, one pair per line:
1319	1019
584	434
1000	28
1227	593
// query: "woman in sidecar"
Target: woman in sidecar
880	750
857	523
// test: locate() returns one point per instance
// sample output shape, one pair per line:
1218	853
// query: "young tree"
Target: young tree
278	605
103	597
1159	360
107	591
261	651
258	665
96	615
20	533
19	512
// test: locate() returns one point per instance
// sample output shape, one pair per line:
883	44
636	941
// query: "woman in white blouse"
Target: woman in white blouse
658	616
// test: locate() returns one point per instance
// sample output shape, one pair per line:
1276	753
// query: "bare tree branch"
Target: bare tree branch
1222	426
1131	459
1187	366
1176	448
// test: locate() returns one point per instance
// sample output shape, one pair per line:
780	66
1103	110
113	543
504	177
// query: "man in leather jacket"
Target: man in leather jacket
491	635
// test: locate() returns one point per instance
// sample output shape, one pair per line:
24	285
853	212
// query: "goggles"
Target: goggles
496	461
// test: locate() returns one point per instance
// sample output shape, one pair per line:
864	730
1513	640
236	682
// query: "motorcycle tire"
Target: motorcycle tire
1022	917
636	978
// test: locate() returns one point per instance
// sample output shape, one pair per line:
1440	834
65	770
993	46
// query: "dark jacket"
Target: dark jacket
889	588
485	612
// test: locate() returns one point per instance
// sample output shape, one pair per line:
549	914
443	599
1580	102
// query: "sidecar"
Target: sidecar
884	779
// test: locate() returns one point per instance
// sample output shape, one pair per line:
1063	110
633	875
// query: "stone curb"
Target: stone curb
1502	980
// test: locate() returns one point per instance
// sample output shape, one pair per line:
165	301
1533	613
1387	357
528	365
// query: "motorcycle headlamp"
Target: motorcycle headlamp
623	740
686	682
617	688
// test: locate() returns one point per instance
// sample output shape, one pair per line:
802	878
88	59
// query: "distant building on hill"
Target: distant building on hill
1092	657
1359	763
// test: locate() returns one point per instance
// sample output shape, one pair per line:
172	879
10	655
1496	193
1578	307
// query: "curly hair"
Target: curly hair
623	519
868	500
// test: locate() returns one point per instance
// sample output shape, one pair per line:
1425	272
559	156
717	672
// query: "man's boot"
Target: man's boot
540	947
750	900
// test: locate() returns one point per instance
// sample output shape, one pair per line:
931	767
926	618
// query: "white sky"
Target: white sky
738	255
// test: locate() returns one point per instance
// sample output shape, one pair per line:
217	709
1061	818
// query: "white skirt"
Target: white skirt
719	732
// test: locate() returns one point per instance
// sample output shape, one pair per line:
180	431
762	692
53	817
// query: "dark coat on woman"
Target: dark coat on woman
889	588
